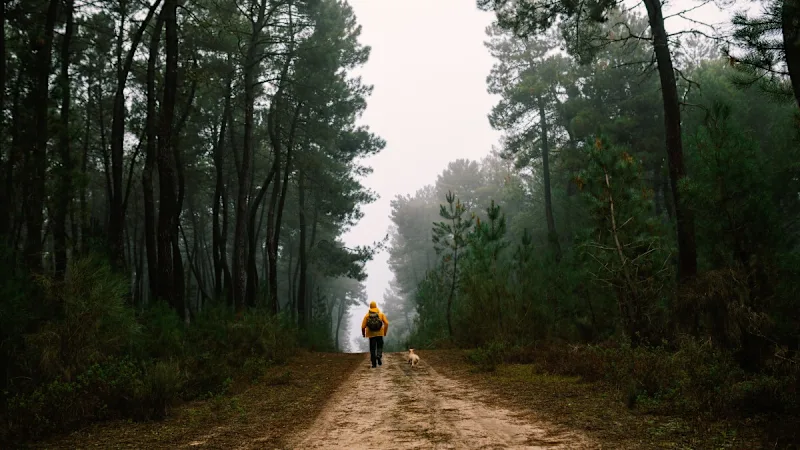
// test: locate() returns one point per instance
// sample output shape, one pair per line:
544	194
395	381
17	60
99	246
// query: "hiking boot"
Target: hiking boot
380	361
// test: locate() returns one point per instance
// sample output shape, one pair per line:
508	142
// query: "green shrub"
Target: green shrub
218	346
692	378
255	367
318	337
486	358
160	386
93	322
163	332
260	334
765	393
695	377
87	356
100	392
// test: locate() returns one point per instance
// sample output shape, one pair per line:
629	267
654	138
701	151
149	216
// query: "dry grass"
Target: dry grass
286	399
596	409
254	415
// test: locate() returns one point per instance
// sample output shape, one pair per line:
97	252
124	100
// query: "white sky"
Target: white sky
428	67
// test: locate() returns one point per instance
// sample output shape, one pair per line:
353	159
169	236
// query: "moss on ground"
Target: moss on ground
260	414
600	411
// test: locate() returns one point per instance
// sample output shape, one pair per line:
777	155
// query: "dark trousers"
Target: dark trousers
375	349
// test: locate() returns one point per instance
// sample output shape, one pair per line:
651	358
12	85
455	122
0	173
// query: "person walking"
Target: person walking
374	326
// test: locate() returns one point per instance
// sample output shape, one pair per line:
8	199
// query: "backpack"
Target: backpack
374	322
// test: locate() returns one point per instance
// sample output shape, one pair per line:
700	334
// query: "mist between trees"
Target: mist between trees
637	224
176	178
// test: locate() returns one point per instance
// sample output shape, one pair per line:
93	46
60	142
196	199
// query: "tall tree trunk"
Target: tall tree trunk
150	162
167	216
240	240
240	225
342	310
84	206
5	197
179	288
40	135
276	207
2	63
218	247
292	280
301	288
273	272
276	211
252	278
790	25
64	193
252	268
251	285
15	152
452	293
687	248
191	258
552	235
177	258
311	242
103	146
272	246
143	297
116	218
223	247
137	265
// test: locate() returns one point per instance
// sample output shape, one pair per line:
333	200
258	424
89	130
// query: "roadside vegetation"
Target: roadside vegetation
599	243
175	181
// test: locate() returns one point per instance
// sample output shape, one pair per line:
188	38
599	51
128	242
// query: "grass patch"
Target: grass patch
599	409
258	414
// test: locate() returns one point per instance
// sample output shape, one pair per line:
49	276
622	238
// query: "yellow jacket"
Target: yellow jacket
370	333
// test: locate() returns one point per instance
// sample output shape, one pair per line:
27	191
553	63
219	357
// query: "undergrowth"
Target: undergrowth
693	377
78	352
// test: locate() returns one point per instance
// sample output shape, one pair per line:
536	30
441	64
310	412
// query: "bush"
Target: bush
97	393
159	388
80	353
695	377
93	322
766	393
163	332
487	358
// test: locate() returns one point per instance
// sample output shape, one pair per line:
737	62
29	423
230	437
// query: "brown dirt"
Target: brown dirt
323	400
255	415
597	410
400	407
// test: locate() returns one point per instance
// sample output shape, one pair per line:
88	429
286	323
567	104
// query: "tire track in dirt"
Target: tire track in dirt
399	407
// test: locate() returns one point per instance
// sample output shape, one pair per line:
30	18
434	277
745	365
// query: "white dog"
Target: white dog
413	358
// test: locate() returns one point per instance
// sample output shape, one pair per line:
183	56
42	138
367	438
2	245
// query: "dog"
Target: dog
413	358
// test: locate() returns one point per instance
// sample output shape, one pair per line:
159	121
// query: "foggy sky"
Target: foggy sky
428	66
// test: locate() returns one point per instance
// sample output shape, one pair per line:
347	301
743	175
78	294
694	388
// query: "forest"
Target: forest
176	178
638	223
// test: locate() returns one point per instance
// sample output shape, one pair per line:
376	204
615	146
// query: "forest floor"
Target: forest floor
601	413
402	407
252	415
322	400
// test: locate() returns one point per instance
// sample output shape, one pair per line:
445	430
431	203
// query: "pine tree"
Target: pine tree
449	238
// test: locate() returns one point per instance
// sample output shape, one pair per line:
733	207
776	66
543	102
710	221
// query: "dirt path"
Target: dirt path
399	407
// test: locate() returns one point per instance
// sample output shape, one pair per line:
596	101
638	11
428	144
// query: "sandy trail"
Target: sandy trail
398	407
